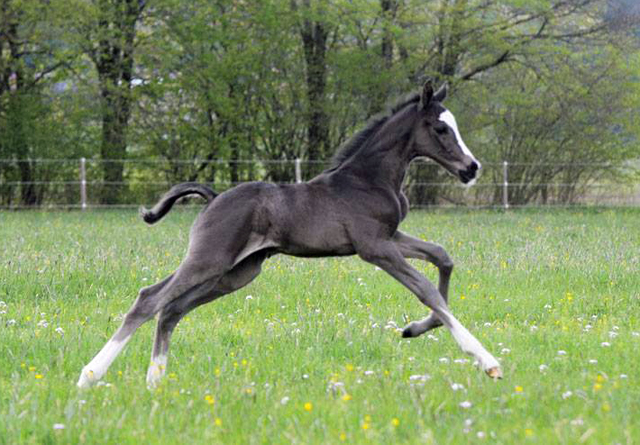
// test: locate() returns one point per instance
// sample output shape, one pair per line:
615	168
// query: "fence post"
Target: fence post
298	171
505	185
83	184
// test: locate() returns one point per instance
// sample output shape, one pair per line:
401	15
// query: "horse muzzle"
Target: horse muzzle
469	173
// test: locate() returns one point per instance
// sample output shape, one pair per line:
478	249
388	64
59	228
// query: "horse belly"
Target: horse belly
316	240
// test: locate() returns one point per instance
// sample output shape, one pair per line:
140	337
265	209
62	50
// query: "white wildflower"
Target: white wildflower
284	400
457	386
543	367
605	344
58	426
562	352
566	395
419	377
466	404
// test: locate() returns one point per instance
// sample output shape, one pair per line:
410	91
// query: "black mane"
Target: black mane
360	139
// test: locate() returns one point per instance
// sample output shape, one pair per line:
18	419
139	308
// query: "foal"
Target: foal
353	208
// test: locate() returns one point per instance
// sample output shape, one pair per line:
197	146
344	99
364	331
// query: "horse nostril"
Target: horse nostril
474	166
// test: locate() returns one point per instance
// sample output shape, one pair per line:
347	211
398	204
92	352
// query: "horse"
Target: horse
352	208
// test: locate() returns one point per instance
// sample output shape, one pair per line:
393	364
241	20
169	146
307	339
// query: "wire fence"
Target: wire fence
81	184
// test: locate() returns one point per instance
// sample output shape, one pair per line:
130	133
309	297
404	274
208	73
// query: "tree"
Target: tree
107	34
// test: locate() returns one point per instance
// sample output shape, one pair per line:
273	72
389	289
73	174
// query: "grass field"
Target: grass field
310	353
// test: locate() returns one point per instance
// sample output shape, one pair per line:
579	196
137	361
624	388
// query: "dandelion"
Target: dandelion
519	388
365	426
606	407
209	399
466	404
597	387
218	421
38	376
343	437
528	432
346	397
308	406
349	367
395	421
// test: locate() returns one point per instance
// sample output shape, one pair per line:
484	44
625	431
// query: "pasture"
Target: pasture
311	352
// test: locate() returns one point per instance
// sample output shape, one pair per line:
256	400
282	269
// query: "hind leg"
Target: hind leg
150	301
241	275
137	315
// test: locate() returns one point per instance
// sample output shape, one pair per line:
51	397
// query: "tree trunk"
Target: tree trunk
314	40
114	62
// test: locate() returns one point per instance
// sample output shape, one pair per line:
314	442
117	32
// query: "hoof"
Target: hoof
495	373
87	379
408	332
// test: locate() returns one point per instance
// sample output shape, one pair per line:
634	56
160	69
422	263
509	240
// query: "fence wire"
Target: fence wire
81	184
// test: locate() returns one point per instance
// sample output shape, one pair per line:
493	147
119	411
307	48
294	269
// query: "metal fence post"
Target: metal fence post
505	185
83	184
298	171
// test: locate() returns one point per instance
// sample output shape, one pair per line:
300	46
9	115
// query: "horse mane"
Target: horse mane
360	139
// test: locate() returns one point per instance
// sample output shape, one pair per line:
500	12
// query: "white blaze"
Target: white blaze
448	118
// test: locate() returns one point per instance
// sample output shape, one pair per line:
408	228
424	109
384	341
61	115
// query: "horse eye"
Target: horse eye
441	130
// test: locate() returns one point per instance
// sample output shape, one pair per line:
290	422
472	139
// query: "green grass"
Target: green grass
526	283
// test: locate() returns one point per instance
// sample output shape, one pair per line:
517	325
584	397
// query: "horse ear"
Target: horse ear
427	94
441	94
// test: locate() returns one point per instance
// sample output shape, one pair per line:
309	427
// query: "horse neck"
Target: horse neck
385	162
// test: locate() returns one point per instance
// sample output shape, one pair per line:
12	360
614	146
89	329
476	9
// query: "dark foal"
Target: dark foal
353	208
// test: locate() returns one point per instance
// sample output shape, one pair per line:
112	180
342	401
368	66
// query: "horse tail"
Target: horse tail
176	192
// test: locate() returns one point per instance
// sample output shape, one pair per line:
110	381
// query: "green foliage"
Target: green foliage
229	80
